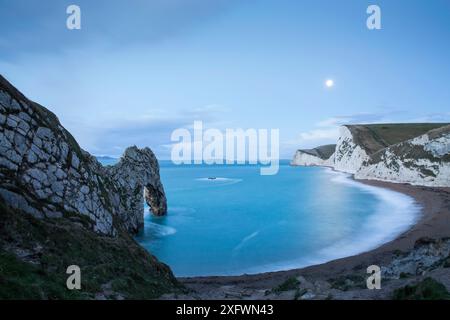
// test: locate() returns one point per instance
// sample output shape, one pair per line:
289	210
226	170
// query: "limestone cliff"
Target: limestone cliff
45	173
320	156
349	154
404	153
47	180
137	175
424	160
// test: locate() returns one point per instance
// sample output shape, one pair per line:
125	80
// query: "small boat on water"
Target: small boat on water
212	178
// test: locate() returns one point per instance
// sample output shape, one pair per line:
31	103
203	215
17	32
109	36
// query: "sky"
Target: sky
137	70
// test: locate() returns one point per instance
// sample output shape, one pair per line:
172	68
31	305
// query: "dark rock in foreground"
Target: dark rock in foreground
136	174
46	174
60	206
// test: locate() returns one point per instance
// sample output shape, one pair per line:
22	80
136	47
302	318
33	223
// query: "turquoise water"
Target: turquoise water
243	222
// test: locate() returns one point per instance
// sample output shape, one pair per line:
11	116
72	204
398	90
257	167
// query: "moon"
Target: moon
329	83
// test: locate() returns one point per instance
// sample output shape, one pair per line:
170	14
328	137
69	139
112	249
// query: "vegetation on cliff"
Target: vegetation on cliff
35	253
374	137
323	152
59	207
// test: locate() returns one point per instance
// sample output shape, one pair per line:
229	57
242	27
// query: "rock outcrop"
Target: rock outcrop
59	206
424	160
45	173
349	155
320	156
427	253
137	176
417	154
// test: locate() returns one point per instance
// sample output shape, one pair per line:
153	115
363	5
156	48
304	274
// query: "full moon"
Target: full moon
329	83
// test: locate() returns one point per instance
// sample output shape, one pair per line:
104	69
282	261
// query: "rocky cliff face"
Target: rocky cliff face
320	156
405	153
424	160
349	155
137	176
45	173
49	184
302	158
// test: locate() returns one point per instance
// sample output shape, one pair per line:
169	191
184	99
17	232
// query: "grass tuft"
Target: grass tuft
427	289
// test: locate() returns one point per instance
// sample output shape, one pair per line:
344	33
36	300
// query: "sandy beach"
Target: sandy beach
434	223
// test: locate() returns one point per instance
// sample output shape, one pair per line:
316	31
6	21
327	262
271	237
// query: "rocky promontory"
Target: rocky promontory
320	156
136	176
414	153
46	174
48	182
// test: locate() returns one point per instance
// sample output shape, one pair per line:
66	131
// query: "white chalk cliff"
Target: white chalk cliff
417	154
320	156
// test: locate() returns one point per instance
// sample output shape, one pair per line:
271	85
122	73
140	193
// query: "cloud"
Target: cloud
320	134
433	117
112	137
358	118
327	130
111	101
40	26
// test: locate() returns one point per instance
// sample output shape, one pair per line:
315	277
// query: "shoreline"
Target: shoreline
433	222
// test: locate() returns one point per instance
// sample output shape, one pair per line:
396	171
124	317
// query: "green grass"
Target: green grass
395	133
290	284
23	281
427	289
323	152
120	262
374	137
404	275
326	151
446	262
345	283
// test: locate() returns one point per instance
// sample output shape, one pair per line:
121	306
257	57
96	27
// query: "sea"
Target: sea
230	220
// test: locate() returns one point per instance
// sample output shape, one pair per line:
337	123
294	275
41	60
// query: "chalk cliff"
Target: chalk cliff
417	154
48	179
424	160
320	156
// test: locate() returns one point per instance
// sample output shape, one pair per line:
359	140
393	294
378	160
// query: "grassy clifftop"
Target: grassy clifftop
323	152
374	137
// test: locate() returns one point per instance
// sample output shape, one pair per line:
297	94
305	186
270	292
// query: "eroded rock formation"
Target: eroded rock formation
45	173
59	206
137	175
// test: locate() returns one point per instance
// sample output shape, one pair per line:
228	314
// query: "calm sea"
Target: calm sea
242	222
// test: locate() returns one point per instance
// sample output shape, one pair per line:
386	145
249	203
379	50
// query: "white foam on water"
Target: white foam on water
244	240
217	179
394	214
160	230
